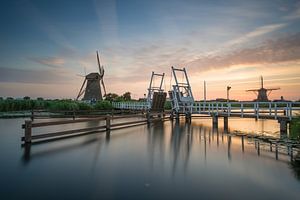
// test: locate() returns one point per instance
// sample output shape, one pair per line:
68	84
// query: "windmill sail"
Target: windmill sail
102	82
101	70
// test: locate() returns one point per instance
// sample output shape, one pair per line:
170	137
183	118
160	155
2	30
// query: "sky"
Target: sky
46	44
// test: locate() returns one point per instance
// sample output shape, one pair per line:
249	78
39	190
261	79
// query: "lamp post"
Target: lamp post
228	88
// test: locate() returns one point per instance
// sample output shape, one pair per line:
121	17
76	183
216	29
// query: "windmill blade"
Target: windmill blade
101	70
102	82
80	75
278	88
81	91
253	90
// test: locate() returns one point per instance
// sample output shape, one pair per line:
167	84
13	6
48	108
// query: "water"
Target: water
163	161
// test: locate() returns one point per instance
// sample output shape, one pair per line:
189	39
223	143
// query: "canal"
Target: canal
162	161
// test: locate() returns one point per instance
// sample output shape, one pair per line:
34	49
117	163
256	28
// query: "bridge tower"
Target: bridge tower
181	96
156	97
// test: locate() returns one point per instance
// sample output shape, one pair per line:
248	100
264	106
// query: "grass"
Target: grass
295	128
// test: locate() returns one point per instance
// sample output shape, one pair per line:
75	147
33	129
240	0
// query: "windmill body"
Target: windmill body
91	86
93	89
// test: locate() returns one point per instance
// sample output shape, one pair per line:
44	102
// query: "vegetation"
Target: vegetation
295	128
114	97
168	105
52	105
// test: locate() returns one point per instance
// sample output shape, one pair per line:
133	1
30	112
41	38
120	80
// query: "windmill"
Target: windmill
91	86
262	93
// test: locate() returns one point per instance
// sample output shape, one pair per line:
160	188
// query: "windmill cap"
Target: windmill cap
93	75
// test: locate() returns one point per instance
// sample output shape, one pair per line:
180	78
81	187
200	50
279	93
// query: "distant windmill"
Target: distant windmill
262	93
91	87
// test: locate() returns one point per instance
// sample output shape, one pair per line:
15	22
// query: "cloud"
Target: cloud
295	14
271	51
255	33
55	62
35	76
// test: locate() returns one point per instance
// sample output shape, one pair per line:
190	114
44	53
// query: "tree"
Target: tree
26	98
127	96
111	97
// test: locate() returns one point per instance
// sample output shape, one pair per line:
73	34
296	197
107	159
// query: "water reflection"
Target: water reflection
169	156
49	148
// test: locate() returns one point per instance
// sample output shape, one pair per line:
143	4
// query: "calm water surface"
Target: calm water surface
162	161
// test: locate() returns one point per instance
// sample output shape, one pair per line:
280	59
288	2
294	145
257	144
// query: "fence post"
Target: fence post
28	127
257	110
242	110
291	111
73	114
108	122
275	108
32	115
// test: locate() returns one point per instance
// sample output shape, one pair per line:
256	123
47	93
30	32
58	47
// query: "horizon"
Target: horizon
46	44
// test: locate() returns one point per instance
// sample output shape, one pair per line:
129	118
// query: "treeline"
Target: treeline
26	103
8	105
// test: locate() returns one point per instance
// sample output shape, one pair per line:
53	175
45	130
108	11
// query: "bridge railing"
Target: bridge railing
258	109
242	108
131	105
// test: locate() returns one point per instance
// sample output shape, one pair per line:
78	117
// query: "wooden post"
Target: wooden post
243	148
73	114
257	110
276	151
290	111
215	120
258	148
177	116
242	110
188	117
108	118
226	124
275	108
28	128
148	117
32	115
172	116
283	127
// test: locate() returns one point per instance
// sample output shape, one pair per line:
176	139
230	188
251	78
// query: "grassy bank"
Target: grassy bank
9	105
295	128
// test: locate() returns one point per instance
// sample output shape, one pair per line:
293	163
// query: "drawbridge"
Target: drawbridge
181	96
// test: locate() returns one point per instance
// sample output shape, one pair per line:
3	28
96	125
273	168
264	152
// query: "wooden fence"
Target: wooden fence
29	125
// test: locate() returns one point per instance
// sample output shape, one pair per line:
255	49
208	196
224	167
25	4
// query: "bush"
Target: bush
103	105
84	106
168	105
